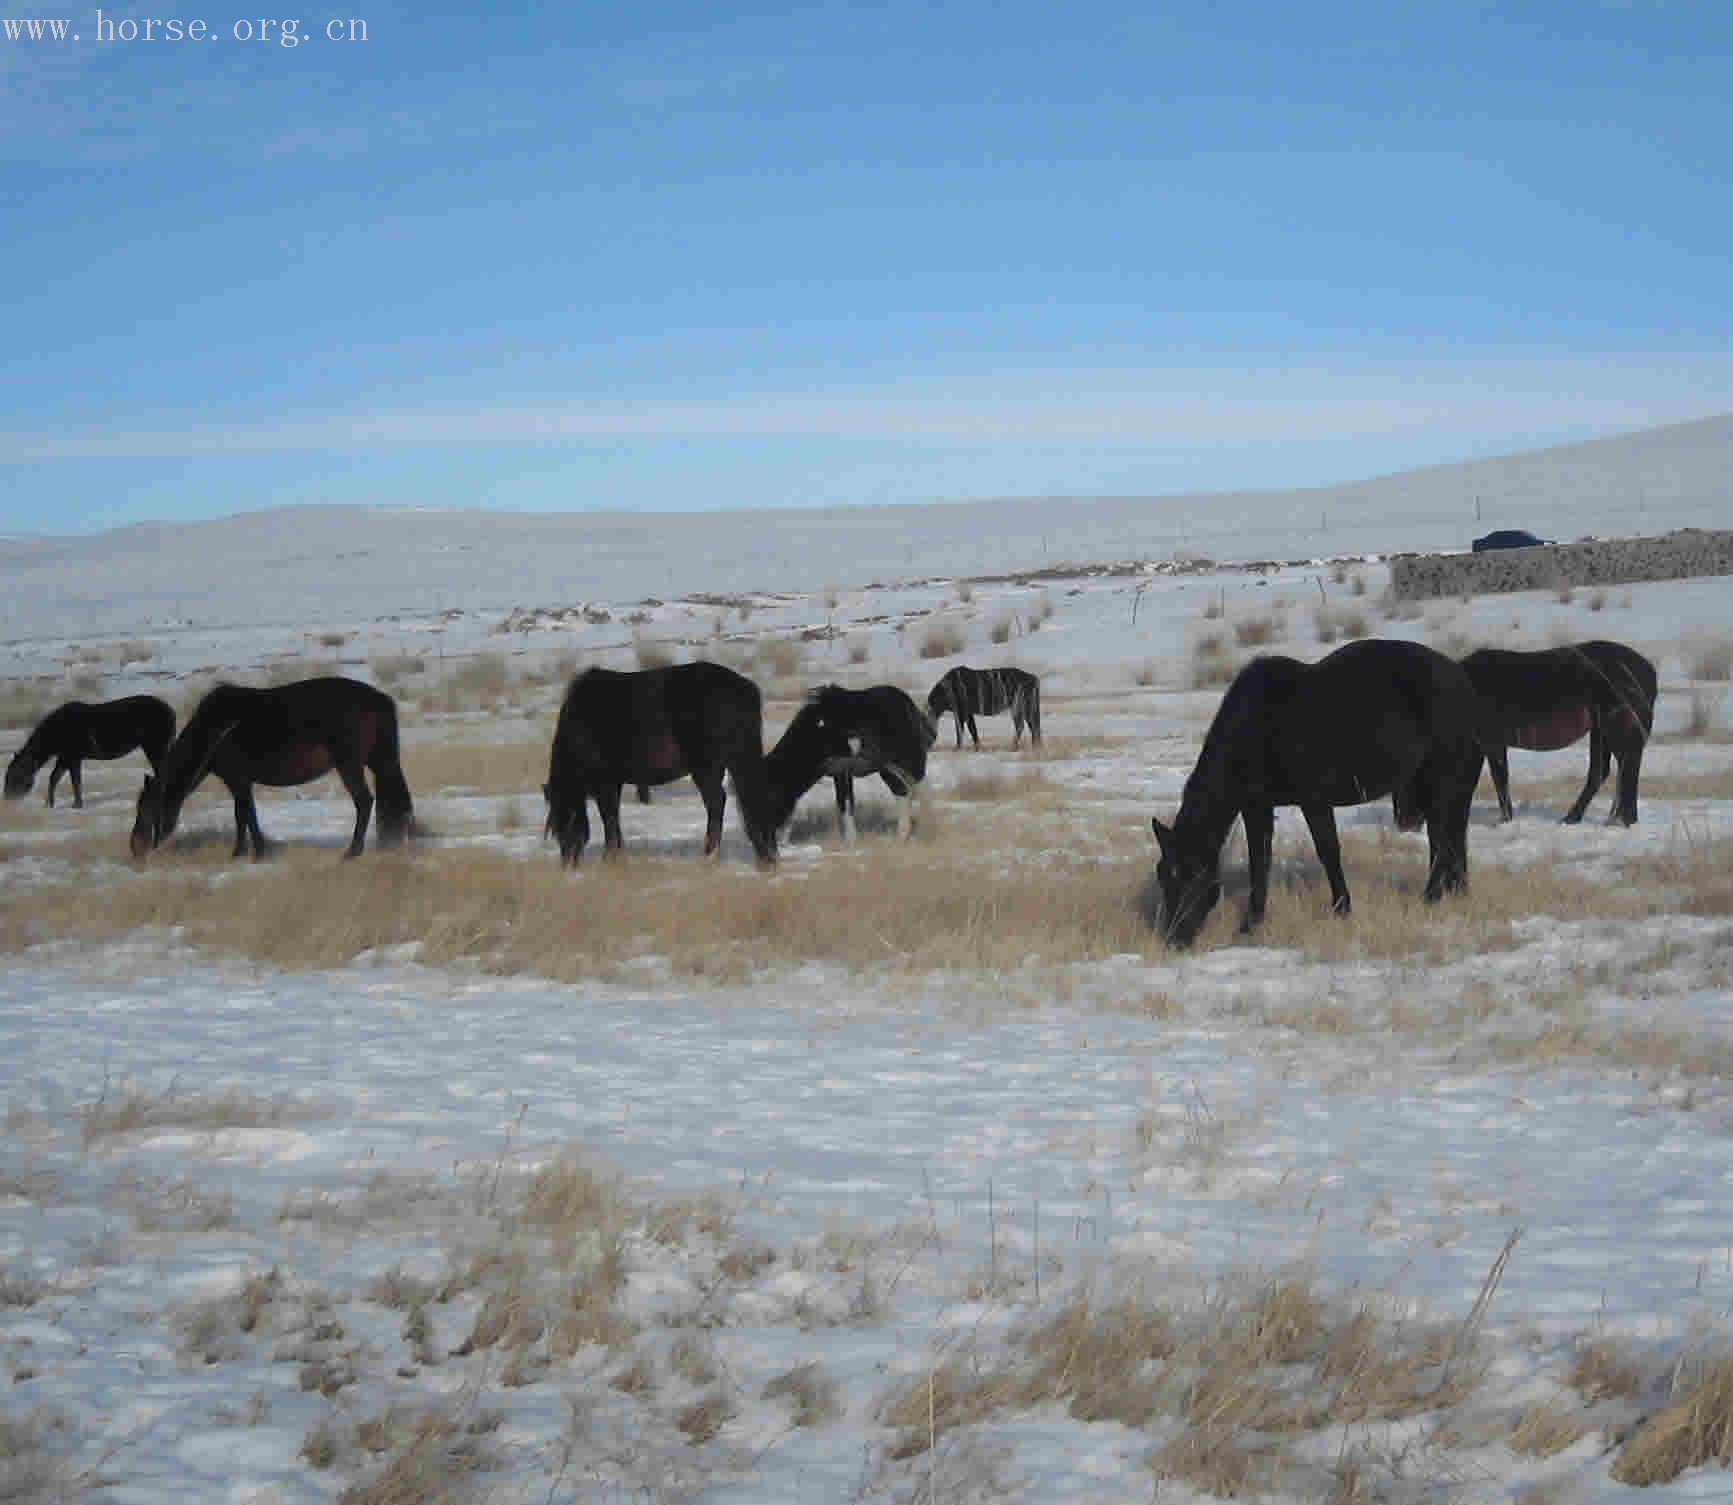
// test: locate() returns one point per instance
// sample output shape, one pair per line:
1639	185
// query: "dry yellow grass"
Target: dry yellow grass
890	904
1695	1429
1266	1361
505	767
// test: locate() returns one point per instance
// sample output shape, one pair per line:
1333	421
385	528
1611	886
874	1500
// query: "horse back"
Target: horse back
653	726
1345	730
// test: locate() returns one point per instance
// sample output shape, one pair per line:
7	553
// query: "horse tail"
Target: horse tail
1032	710
757	804
391	789
1617	696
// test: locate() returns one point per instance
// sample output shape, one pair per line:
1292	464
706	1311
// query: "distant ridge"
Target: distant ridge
288	565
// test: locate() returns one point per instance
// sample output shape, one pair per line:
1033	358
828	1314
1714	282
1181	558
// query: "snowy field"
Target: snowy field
446	1176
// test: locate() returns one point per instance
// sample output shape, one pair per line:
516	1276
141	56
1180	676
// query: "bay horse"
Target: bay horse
75	731
967	693
652	726
291	734
850	733
1546	700
1370	718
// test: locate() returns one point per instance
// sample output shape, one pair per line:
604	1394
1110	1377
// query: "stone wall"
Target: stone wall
1676	556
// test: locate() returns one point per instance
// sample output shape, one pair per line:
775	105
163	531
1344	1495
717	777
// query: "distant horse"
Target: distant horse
968	693
1546	700
76	731
1370	718
650	727
292	734
847	733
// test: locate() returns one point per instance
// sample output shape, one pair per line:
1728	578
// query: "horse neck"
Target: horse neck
795	764
188	759
1208	807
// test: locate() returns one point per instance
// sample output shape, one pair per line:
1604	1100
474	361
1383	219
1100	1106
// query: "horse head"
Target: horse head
1189	876
21	774
153	820
566	821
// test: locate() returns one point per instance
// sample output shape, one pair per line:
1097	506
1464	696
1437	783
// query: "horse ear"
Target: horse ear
1162	833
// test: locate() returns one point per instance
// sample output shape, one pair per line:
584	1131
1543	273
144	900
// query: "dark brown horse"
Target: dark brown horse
289	735
847	733
1547	700
1371	718
651	727
76	731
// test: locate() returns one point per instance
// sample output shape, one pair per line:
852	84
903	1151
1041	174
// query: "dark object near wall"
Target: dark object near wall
1507	538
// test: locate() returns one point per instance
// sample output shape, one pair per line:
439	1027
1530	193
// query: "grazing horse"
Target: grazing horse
1370	718
292	734
968	693
1549	699
845	733
76	731
650	727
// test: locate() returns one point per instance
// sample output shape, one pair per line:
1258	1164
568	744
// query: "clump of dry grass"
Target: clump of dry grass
1211	662
1695	1429
1263	1362
1700	720
431	1457
811	1394
705	1417
1335	622
1260	628
1543	1430
859	648
1708	656
1040	612
1603	1371
1000	629
940	638
35	1459
138	1111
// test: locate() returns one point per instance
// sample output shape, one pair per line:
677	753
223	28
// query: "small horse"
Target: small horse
292	734
76	731
845	733
1370	718
968	693
650	727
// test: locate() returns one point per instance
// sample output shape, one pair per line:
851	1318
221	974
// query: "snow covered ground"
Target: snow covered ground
390	1230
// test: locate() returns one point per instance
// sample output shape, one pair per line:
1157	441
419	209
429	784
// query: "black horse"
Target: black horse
847	733
653	726
1372	717
1547	700
968	693
289	735
76	731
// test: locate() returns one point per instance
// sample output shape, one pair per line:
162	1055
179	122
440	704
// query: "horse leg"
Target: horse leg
1498	764
60	767
1016	728
845	822
355	782
247	830
75	771
608	807
974	732
1321	821
714	793
1260	821
1630	757
1599	762
1447	836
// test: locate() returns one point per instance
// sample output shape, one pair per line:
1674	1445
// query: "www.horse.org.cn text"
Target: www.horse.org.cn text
281	31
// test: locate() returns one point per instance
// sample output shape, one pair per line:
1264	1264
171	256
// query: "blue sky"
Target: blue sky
685	256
